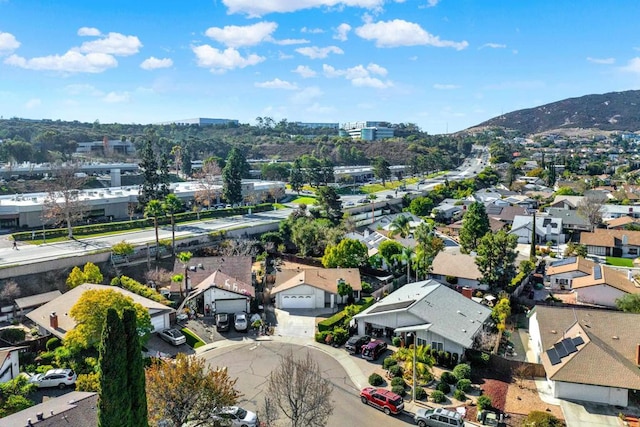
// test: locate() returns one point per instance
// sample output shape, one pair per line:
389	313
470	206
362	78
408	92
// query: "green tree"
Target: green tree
501	312
123	248
296	177
496	257
13	395
426	252
349	253
232	174
171	206
381	169
90	274
421	206
344	290
90	312
135	371
114	408
475	224
629	303
542	419
390	250
406	257
155	210
329	202
155	173
401	225
184	258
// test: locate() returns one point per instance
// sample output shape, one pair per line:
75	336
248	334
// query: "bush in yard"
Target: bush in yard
13	335
462	371
398	381
340	336
438	396
46	357
443	387
398	389
464	385
322	336
459	395
484	402
53	343
447	359
388	362
396	341
396	371
88	382
448	378
542	419
375	380
420	393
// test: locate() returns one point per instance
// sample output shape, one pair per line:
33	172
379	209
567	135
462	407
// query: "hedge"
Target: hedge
192	339
338	318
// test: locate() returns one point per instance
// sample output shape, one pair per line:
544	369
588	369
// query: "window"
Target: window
437	345
633	251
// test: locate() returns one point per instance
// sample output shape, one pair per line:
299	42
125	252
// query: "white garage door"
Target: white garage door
158	323
231	305
298	301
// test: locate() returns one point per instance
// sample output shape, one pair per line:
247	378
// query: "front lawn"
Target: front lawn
307	200
619	262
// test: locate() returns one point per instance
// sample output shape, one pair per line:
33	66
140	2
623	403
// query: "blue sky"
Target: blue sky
442	64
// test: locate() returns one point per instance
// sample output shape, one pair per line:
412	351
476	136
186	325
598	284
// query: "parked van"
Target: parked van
438	417
374	349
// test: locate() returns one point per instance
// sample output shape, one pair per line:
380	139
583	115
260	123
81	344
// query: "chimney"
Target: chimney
467	292
637	354
53	320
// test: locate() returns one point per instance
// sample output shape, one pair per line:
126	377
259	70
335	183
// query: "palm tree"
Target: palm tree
400	225
424	362
154	209
184	258
408	255
372	198
171	206
423	232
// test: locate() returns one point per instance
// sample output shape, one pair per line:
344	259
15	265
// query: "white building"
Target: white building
367	131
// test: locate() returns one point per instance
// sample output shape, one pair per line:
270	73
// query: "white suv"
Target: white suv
54	378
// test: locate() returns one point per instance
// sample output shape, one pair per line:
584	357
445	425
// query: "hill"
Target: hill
614	111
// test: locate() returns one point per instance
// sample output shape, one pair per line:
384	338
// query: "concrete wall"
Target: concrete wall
55	264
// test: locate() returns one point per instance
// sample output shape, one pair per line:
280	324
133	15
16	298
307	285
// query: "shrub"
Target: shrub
13	335
88	382
443	387
464	385
462	371
339	318
388	362
375	380
420	393
542	419
340	336
438	396
322	336
396	371
396	341
447	359
53	343
485	358
366	288
459	395
46	357
192	339
484	402
448	378
42	369
398	381
122	248
398	389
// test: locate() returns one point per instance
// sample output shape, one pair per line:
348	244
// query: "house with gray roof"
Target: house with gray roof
75	409
548	229
571	219
439	316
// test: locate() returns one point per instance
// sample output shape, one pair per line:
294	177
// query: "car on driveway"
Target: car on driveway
438	417
60	378
236	416
383	399
355	343
240	322
374	349
222	322
173	336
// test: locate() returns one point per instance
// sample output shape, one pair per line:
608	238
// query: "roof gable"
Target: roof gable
322	278
223	281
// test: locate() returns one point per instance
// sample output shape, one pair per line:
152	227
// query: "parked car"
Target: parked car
374	349
438	417
173	336
236	416
60	378
240	322
383	399
222	322
355	343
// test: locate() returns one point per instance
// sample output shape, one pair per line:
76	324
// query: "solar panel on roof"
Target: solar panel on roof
578	341
597	272
569	345
562	352
553	356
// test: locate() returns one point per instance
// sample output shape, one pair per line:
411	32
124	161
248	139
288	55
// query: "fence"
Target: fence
515	367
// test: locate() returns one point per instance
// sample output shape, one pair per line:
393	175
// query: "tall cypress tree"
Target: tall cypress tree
114	409
135	371
232	175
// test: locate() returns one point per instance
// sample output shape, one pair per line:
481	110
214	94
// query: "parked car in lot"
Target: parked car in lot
374	349
240	322
222	322
383	399
438	417
355	343
60	378
236	416
173	336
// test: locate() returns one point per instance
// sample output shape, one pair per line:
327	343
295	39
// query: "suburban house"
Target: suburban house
572	220
371	239
588	354
452	267
548	229
614	243
26	304
75	409
561	274
448	212
567	202
439	316
621	223
220	293
200	268
506	214
314	287
53	317
603	286
9	363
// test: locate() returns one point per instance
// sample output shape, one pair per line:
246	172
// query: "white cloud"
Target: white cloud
493	46
439	86
88	31
255	8
286	42
70	62
223	60
403	33
82	89
33	103
112	44
311	30
605	61
432	3
306	95
341	32
117	97
8	43
633	66
360	75
277	84
371	82
153	63
238	36
304	71
376	69
282	55
315	52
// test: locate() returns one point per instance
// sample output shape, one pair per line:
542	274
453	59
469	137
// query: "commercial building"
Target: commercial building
367	131
201	121
335	126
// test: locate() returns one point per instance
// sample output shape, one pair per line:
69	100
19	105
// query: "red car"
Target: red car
383	399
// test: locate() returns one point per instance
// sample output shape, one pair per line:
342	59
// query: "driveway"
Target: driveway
296	323
579	414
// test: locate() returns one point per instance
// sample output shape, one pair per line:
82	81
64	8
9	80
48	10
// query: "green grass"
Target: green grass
192	339
307	200
619	262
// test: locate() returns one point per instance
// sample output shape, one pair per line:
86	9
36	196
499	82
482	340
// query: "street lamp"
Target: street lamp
413	389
